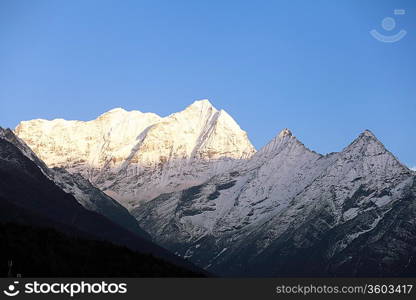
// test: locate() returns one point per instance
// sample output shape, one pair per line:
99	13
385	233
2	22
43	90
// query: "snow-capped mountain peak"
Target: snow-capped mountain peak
285	142
369	133
288	203
201	103
285	132
117	109
366	144
135	156
119	114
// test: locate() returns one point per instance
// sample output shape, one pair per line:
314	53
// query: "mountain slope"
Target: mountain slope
292	212
86	194
32	198
134	157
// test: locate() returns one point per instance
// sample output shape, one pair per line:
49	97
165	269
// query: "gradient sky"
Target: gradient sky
311	66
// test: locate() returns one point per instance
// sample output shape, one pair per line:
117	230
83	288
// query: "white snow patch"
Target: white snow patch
351	213
355	235
382	201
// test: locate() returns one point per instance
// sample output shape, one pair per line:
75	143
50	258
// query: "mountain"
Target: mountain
31	198
289	211
194	182
134	157
86	194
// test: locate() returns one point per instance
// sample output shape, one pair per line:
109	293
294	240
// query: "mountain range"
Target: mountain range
193	183
30	197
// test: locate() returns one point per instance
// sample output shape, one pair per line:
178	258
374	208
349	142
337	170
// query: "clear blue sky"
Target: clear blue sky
311	66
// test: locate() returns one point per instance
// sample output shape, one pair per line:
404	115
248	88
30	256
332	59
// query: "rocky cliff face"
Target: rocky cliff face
292	212
134	156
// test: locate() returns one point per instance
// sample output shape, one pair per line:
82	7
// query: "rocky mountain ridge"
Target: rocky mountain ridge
261	217
134	156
